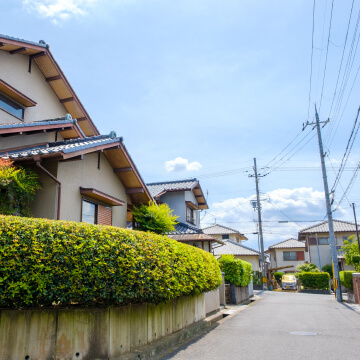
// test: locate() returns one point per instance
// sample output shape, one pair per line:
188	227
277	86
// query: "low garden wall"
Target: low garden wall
239	294
93	333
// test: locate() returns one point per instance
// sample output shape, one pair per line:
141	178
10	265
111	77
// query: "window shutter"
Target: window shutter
300	255
104	215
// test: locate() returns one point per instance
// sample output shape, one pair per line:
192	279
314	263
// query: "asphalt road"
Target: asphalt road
282	325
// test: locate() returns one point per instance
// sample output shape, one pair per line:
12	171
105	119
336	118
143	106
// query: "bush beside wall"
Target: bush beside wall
46	262
237	271
346	279
314	280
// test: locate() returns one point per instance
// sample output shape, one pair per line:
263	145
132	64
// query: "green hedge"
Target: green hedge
314	280
237	271
278	276
346	279
44	262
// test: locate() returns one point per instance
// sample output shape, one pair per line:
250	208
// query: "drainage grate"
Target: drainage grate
303	333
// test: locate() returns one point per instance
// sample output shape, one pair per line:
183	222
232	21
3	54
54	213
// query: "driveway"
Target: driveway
282	325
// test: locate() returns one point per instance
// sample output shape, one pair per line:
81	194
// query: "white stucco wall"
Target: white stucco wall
176	202
14	71
279	261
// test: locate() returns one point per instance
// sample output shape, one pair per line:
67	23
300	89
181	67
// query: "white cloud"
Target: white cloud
59	10
180	164
302	205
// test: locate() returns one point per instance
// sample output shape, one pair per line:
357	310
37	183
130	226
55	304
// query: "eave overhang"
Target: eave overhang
41	55
101	196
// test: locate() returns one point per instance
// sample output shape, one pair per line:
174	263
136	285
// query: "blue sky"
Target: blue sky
199	88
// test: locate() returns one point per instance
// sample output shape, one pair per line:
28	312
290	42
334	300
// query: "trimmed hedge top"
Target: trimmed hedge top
47	262
237	271
346	278
314	280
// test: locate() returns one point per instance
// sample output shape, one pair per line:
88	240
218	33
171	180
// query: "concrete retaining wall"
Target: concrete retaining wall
83	334
239	294
356	287
212	302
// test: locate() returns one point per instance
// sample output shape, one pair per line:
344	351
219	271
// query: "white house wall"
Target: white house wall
279	253
14	71
176	202
189	196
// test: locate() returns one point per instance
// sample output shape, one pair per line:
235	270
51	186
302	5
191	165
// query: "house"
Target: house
240	252
316	238
85	176
187	200
222	232
289	252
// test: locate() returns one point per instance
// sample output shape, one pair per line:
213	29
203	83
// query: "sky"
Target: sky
199	88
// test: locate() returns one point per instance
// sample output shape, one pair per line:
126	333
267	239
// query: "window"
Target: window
294	255
225	237
323	241
290	255
96	214
11	107
190	218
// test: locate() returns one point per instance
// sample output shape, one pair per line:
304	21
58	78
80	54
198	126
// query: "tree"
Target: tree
17	188
307	268
328	268
351	252
154	218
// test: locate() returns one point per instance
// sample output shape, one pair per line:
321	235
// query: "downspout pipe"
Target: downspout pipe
59	189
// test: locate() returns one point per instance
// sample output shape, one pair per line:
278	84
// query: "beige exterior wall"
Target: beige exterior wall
233	237
277	259
45	204
252	259
84	173
14	71
325	251
24	140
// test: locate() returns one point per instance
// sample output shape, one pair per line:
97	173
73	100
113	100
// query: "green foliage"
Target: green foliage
346	279
278	275
237	271
328	268
45	262
257	277
314	280
351	252
154	218
17	189
307	267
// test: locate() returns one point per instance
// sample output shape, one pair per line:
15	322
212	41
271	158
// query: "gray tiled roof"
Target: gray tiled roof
56	121
233	248
24	41
288	244
217	229
159	187
323	227
66	146
181	228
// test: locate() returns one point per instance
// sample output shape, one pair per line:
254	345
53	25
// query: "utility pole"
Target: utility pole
328	206
259	219
357	231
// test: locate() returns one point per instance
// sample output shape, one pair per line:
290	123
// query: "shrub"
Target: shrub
154	218
43	262
307	267
278	276
17	189
328	268
351	252
237	271
346	279
314	280
257	277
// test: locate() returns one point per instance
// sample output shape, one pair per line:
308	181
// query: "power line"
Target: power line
327	51
311	59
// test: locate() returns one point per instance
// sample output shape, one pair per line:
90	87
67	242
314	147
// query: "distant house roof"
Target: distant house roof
323	227
113	148
233	248
184	232
39	54
218	229
58	124
158	189
288	244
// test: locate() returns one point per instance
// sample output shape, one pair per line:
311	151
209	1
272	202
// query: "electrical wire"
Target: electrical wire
311	58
